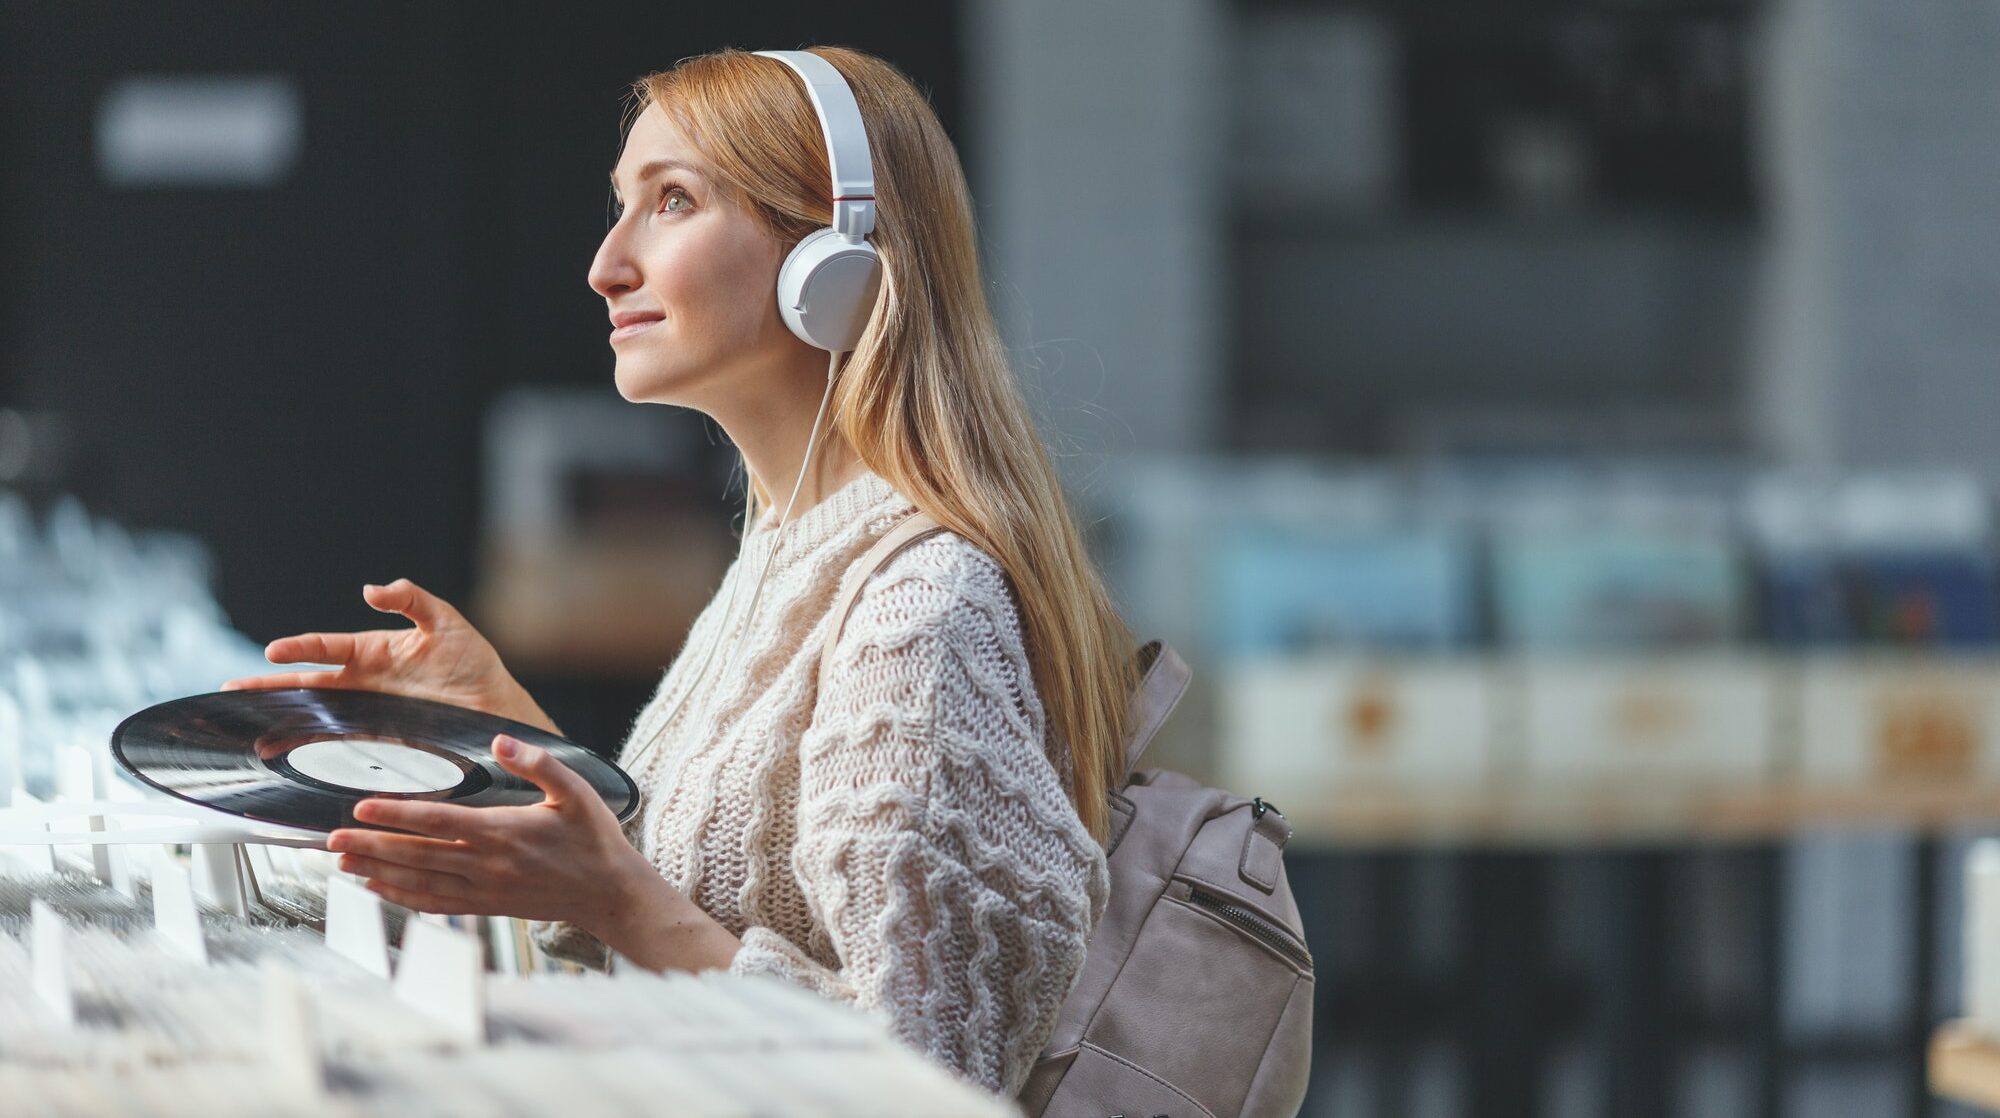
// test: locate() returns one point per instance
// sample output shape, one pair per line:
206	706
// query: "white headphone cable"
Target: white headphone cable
729	607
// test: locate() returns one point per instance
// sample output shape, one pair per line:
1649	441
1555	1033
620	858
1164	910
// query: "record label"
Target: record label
303	757
368	765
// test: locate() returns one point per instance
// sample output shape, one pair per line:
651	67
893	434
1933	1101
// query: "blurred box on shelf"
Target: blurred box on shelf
1899	559
1920	553
604	532
1344	722
1693	717
1386	588
1875	719
1229	558
1925	599
1793	533
1616	586
607	606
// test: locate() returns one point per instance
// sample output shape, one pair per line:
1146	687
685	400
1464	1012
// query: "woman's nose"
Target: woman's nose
612	270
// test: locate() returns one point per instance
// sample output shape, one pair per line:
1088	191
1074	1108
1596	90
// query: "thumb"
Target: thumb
533	763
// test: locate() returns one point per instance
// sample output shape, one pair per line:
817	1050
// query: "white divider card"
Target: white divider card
175	916
120	865
76	782
32	857
1982	936
290	1042
218	877
100	852
440	975
51	965
354	925
76	775
261	864
10	750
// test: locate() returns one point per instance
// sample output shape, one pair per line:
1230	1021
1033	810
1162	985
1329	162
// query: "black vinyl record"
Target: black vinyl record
304	756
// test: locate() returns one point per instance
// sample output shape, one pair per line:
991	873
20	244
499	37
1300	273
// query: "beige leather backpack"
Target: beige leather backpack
1196	994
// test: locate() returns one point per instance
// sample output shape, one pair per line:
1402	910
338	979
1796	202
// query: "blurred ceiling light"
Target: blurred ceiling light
198	131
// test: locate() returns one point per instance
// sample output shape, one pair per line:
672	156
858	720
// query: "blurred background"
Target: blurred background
1556	433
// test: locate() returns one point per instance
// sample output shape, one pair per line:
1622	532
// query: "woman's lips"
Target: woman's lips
630	329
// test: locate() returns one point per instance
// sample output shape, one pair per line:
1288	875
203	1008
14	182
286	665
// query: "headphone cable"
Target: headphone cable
812	440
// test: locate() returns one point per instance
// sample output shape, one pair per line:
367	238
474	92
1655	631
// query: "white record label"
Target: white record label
374	766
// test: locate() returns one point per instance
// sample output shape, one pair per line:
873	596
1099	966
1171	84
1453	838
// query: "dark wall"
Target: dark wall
296	374
282	371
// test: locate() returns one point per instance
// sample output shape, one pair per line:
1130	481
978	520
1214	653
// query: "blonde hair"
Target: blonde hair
928	398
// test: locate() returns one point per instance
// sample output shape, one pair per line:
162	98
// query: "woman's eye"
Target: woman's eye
671	195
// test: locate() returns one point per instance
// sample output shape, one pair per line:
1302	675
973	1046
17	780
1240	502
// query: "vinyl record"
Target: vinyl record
303	757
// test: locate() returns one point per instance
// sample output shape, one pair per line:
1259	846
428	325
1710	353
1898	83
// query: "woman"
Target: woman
924	835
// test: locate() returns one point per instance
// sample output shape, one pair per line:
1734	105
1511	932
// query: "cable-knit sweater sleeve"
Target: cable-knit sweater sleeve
936	844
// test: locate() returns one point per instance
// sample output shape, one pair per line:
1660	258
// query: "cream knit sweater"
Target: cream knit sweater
904	841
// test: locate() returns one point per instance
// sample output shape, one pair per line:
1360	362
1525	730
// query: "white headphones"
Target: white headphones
827	285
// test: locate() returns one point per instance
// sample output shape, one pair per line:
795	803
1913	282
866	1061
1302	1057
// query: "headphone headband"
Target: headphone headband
846	140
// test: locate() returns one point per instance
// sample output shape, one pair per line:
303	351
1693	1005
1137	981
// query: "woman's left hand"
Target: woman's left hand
562	859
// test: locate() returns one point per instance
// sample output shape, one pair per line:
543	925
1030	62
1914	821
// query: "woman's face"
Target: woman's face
699	272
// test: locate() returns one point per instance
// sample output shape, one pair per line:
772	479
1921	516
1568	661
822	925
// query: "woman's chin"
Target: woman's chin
643	386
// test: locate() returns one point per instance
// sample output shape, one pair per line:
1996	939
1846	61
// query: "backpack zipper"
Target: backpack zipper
1253	925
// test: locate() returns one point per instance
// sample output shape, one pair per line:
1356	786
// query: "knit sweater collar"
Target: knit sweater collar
866	494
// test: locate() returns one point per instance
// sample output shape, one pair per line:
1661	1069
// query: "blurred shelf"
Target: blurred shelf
1965	1066
1596	816
1271	219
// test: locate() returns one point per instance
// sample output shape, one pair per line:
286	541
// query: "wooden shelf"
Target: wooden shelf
1578	816
1965	1066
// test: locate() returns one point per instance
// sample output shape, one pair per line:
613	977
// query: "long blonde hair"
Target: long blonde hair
928	398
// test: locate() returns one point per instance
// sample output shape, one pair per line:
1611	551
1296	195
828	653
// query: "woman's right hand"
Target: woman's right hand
443	659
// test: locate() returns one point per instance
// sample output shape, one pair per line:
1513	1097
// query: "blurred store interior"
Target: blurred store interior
1558	434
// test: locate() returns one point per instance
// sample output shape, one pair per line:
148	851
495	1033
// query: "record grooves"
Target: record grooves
303	757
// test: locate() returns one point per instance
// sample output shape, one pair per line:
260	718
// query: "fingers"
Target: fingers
448	885
311	648
409	850
445	821
282	679
557	781
412	601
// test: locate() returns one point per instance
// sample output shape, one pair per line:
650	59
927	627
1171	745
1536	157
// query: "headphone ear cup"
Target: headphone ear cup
826	289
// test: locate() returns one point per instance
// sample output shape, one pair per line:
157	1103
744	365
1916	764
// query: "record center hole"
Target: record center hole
369	765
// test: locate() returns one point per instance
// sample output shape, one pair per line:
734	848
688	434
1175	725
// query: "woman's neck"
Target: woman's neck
834	465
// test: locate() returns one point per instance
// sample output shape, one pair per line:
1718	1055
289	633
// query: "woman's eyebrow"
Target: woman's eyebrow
651	169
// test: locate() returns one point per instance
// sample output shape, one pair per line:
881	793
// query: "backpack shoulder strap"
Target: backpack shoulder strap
1164	679
914	527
